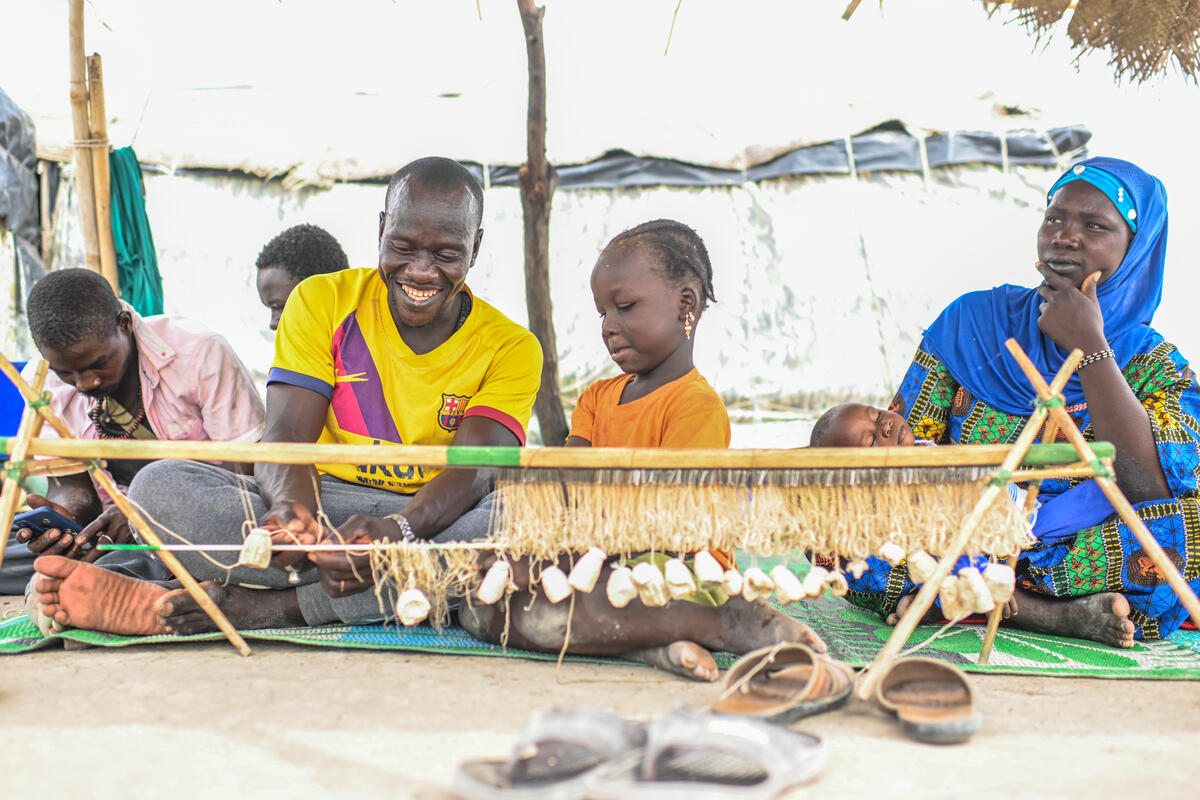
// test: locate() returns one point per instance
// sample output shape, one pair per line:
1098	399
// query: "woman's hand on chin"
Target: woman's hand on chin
1071	317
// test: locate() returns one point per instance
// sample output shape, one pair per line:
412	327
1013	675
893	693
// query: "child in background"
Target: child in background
651	284
297	253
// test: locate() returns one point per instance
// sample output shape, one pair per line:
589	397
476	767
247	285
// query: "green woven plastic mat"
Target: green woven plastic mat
854	636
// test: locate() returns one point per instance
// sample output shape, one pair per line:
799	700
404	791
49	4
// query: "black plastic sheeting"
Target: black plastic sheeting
19	208
18	172
891	147
887	147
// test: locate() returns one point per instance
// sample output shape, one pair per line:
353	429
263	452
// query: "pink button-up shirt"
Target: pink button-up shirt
194	387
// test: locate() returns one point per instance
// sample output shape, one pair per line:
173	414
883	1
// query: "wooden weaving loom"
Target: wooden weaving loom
845	502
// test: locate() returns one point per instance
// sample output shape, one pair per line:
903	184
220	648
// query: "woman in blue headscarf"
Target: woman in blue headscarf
1101	252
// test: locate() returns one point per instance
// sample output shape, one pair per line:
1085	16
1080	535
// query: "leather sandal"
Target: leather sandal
933	700
784	683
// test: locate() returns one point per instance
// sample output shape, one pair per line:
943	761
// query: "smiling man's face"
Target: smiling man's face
428	241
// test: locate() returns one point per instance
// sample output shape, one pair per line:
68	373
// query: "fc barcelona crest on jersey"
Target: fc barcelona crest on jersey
452	410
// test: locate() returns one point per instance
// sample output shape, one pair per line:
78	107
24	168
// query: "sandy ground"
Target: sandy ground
290	721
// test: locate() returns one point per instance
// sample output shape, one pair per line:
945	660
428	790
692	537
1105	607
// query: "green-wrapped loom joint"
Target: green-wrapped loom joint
1058	401
1062	453
15	470
483	456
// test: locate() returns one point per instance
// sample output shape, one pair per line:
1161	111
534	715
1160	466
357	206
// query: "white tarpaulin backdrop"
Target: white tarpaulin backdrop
824	283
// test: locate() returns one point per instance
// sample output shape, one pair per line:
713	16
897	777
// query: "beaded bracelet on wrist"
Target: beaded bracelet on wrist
1092	358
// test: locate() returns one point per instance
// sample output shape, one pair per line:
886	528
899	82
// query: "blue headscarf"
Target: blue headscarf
969	335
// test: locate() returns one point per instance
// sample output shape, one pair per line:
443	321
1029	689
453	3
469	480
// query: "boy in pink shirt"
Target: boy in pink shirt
117	375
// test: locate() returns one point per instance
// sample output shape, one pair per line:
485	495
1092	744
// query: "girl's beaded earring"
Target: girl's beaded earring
687	325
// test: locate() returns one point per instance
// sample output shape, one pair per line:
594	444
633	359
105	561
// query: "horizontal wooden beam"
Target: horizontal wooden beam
558	457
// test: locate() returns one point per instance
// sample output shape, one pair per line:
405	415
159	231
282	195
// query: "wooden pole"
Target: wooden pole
31	424
84	181
924	598
31	396
1035	486
587	458
538	180
45	213
56	466
193	588
100	147
1129	515
45	412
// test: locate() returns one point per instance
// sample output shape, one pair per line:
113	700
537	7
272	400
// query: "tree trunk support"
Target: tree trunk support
538	180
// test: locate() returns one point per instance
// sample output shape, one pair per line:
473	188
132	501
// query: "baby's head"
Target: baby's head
650	284
856	425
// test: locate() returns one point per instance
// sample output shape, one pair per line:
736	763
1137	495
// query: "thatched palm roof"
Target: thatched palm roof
1142	38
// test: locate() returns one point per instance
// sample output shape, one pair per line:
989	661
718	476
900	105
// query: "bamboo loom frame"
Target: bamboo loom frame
90	126
37	412
86	454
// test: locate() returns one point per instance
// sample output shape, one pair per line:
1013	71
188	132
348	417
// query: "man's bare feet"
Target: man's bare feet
749	626
686	659
81	595
1099	617
178	612
932	615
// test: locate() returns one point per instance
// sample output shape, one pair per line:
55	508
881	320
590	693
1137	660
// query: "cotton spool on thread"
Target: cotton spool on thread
708	570
555	585
731	582
891	553
495	583
788	588
256	549
586	571
814	581
755	584
412	606
620	589
921	566
651	586
679	579
1001	582
974	591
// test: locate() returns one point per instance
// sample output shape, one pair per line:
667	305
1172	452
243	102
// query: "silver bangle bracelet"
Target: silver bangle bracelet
1092	358
406	530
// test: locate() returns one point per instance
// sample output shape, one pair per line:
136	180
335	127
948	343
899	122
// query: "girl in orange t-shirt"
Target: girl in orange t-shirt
651	284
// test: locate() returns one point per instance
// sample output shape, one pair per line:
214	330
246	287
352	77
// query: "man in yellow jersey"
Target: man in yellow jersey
401	354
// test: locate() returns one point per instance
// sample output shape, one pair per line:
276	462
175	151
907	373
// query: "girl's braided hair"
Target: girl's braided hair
680	250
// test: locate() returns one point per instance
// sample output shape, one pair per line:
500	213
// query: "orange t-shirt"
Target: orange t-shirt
684	413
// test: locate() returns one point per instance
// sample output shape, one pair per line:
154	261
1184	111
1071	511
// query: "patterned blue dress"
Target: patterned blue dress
1103	558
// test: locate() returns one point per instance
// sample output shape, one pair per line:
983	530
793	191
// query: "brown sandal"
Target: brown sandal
783	683
933	700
